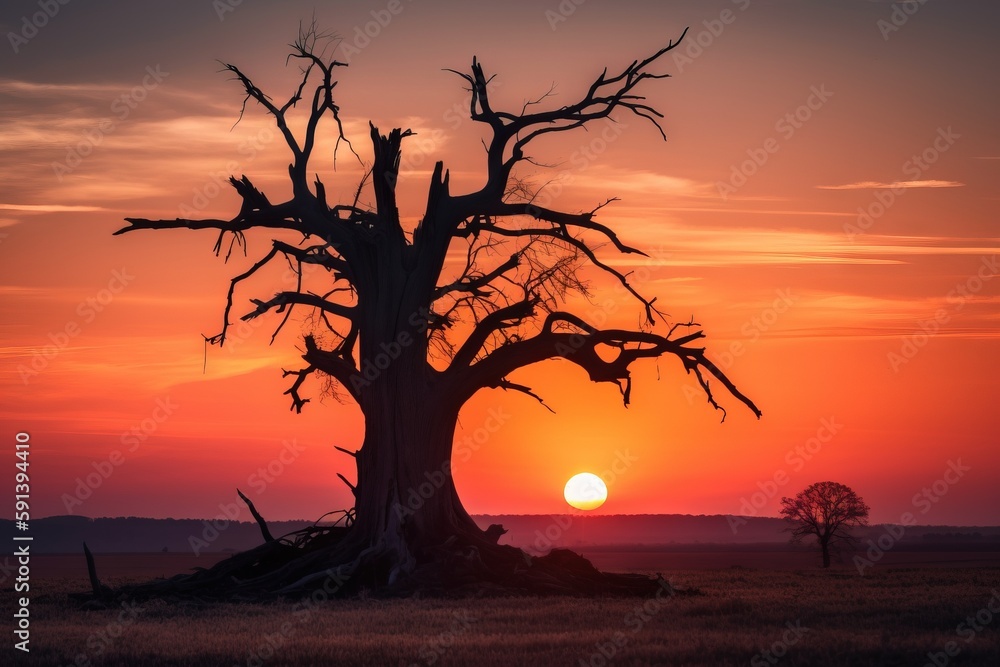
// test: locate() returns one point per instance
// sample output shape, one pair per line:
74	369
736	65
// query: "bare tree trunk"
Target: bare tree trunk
825	546
406	498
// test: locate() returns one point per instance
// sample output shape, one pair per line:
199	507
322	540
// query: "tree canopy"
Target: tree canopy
521	259
827	510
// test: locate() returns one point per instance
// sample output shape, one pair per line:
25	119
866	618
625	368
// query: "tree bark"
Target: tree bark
406	497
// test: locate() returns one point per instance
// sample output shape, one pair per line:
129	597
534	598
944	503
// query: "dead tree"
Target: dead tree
411	337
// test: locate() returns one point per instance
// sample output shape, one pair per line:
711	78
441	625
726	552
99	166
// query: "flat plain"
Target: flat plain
781	610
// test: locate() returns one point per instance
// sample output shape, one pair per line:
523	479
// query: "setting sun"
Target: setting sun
585	491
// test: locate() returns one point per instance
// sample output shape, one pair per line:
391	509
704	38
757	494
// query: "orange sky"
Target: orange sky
804	303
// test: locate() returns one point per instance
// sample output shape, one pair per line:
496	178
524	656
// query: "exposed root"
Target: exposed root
100	591
334	560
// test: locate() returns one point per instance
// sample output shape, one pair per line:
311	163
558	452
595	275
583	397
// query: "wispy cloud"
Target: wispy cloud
103	93
895	185
754	211
646	182
701	245
851	315
49	208
21	290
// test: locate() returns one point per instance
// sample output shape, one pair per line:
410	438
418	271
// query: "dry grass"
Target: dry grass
888	617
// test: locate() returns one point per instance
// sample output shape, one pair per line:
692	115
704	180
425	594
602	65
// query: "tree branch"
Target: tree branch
581	349
501	317
264	530
300	376
561	233
282	300
338	364
505	384
473	283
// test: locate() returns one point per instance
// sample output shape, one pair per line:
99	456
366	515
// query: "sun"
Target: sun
585	491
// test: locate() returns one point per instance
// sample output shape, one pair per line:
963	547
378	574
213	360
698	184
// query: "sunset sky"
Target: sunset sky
825	206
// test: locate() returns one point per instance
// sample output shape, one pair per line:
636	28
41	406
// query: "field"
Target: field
789	613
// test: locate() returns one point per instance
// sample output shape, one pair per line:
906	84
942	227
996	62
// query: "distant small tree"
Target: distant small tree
827	510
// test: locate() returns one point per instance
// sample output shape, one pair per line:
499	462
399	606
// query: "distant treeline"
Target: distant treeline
535	533
953	537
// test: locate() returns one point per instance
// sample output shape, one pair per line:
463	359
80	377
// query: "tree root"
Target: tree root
332	559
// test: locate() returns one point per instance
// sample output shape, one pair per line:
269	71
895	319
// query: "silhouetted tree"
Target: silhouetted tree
411	338
827	510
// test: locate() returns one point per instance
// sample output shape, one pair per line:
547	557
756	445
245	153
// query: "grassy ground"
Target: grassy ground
802	617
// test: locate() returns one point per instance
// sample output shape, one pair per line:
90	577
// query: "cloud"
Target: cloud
104	94
49	208
752	211
49	90
646	182
895	185
703	245
843	315
21	290
69	145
